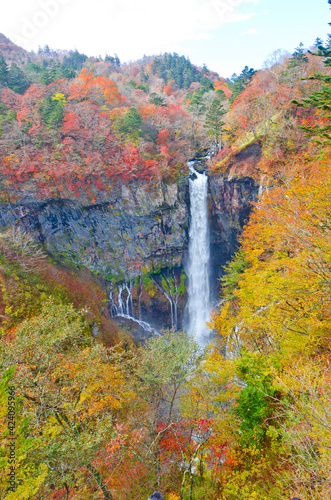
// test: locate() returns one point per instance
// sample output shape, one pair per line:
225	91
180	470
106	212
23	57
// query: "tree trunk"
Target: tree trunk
105	492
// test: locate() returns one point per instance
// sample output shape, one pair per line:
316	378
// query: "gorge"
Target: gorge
136	239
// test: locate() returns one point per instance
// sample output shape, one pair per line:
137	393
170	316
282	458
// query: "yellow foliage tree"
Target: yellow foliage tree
20	477
277	305
70	389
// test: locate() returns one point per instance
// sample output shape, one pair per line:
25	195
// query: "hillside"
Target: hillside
106	396
11	52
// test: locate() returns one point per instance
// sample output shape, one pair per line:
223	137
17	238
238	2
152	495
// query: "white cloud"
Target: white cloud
250	32
203	35
128	27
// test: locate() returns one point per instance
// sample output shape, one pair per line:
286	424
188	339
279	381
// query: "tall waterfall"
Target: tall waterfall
198	306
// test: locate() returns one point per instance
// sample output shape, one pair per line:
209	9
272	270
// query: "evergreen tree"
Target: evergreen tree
117	61
48	73
213	122
179	69
17	80
319	42
114	60
298	57
157	99
238	83
144	88
144	77
128	125
74	61
110	59
3	72
52	111
14	78
197	105
320	100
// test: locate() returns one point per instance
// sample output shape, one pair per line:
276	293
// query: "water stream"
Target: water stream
124	306
198	264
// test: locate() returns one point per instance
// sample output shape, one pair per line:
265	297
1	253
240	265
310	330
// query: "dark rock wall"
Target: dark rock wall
137	229
231	204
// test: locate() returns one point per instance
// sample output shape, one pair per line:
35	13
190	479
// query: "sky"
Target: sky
226	35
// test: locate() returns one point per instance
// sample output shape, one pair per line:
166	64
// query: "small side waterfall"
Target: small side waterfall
168	286
124	308
198	265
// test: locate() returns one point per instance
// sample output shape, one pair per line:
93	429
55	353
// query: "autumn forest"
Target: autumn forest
89	411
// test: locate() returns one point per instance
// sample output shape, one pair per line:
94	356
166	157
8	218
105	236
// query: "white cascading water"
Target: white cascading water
124	309
198	265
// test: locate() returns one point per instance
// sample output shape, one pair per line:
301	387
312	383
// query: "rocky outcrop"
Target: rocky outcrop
231	204
232	192
136	228
242	162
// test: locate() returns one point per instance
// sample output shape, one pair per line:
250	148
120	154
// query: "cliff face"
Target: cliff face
134	229
136	237
231	204
232	194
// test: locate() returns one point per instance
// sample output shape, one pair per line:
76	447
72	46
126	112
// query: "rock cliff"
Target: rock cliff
231	204
136	228
231	193
140	231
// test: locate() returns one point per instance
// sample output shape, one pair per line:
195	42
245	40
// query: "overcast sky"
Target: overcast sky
226	35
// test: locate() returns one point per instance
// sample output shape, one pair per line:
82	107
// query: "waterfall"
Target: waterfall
169	288
198	264
124	304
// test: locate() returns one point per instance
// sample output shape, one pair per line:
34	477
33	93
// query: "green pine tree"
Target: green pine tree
128	125
157	99
52	112
17	80
320	100
3	72
213	122
298	57
239	83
